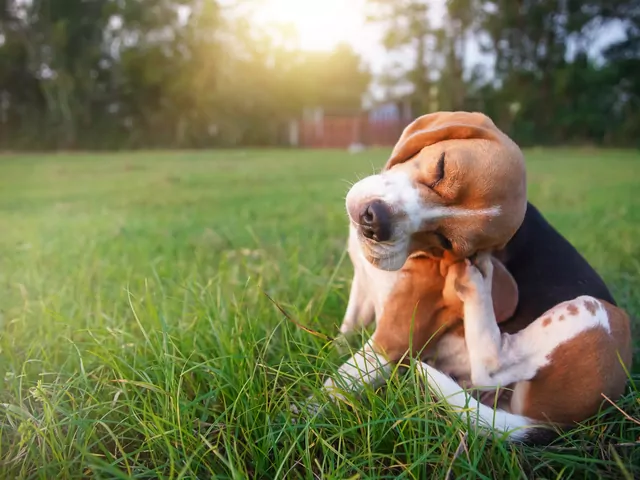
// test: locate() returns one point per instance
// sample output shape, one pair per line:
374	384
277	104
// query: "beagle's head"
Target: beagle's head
454	182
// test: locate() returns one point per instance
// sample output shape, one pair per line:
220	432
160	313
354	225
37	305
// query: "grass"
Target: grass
136	341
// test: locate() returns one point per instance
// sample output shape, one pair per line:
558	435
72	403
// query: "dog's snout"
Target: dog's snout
375	221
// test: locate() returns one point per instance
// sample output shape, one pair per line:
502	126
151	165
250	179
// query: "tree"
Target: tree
155	73
407	27
59	45
199	73
458	26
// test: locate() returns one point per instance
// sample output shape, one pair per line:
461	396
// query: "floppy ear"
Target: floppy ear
504	291
438	127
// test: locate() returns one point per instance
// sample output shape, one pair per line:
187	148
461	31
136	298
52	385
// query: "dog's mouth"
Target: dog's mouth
390	262
388	255
392	254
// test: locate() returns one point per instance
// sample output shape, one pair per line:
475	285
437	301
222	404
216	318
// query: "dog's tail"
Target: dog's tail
488	421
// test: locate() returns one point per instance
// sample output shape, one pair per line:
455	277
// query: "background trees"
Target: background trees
547	83
197	73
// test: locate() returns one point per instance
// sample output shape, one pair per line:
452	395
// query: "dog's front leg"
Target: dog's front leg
493	357
360	309
365	367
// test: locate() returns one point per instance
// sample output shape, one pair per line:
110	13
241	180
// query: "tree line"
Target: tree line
104	74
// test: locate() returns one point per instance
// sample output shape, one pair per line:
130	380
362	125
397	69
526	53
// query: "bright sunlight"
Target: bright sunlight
319	25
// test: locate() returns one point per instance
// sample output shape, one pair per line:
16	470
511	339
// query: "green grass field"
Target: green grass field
136	340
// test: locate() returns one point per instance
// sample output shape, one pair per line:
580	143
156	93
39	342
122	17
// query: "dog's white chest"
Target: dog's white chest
449	354
381	284
377	283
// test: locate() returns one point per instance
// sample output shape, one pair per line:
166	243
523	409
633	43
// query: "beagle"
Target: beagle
527	316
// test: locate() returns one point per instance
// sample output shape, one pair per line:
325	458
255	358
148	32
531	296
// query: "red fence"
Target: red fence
342	131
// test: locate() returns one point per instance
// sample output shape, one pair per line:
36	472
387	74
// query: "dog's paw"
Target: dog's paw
473	280
341	343
484	265
348	326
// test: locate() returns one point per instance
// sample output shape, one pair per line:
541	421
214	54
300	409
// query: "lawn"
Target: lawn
136	339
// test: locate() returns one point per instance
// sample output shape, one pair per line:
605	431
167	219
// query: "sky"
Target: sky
320	24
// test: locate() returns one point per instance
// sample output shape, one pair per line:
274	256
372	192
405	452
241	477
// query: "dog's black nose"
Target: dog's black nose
375	221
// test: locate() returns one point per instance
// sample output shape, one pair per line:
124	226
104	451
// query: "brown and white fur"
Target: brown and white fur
471	322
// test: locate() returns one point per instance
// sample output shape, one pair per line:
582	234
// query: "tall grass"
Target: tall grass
137	339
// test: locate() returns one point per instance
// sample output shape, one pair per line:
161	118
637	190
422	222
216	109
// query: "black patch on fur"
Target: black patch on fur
547	269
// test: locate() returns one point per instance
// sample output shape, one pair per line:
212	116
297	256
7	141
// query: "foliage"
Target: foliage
198	73
547	85
136	340
189	73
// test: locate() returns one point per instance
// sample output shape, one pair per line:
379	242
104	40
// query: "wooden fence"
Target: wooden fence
333	131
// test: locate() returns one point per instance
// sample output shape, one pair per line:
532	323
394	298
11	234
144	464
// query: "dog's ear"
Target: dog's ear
437	127
504	292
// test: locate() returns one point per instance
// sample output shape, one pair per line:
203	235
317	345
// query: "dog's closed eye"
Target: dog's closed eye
444	241
439	171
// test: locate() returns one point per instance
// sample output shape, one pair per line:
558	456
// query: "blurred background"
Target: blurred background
121	74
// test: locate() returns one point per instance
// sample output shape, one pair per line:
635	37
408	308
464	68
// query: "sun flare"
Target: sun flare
319	24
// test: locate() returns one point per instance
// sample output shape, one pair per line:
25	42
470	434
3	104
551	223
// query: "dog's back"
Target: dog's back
547	269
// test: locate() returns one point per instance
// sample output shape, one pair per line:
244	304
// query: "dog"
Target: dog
458	269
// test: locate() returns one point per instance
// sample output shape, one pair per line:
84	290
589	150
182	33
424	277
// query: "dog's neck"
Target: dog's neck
520	240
